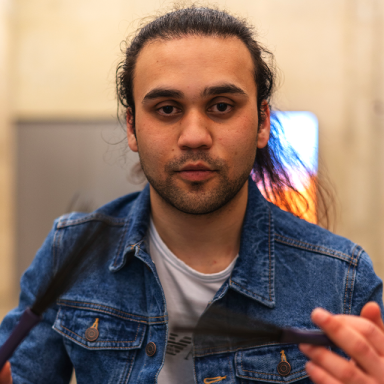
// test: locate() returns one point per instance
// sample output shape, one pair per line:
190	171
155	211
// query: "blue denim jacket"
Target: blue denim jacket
286	268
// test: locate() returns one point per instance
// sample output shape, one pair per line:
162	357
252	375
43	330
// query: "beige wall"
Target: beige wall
7	284
330	54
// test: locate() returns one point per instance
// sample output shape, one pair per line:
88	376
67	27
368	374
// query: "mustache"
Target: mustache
177	163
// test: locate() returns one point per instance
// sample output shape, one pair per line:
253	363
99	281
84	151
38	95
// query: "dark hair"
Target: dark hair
270	167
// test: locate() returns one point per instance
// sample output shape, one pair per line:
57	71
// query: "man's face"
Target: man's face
196	120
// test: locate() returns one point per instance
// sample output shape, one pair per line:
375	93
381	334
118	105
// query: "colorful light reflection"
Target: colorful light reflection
301	130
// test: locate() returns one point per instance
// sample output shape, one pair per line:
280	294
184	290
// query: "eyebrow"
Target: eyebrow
215	90
222	88
156	93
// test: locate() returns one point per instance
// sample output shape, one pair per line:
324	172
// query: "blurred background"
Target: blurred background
62	149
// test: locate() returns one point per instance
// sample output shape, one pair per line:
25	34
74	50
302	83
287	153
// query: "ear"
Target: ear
265	126
131	134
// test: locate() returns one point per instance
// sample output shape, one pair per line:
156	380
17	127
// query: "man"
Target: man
196	92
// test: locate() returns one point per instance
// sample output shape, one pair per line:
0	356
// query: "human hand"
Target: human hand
5	374
361	337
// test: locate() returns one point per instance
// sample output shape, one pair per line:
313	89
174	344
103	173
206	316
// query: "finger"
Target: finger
367	329
351	341
5	374
330	365
318	375
372	312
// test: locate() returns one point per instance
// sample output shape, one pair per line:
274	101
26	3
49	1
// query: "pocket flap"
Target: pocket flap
262	364
113	332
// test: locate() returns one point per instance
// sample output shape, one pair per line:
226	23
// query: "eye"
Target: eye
221	108
168	110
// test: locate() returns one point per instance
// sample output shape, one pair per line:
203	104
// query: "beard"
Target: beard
198	198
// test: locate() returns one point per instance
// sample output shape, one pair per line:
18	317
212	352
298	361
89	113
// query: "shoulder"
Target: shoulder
332	263
114	213
298	233
122	222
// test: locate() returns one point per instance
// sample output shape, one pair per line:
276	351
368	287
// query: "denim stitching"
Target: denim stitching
347	280
312	247
113	314
252	293
58	240
263	373
65	222
320	248
146	360
231	350
77	342
352	279
131	366
165	343
124	372
121	243
277	381
62	219
125	341
346	288
64	302
237	349
55	262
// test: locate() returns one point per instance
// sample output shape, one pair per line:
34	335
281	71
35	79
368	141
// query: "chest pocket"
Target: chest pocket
283	363
101	345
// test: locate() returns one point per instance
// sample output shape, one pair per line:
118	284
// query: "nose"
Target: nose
195	133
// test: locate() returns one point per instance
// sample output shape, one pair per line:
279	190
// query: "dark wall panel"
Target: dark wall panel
63	167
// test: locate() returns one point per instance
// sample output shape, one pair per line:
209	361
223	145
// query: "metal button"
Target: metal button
91	334
150	349
284	368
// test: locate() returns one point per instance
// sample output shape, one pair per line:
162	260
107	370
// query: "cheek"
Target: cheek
241	142
151	150
153	144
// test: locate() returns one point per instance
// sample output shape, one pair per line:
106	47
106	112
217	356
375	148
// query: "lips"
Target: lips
195	168
195	172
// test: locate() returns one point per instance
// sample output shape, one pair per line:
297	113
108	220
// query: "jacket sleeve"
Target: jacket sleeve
367	286
41	357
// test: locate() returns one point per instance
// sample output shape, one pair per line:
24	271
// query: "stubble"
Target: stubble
199	197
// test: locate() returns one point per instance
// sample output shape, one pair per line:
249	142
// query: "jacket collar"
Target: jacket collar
135	229
254	271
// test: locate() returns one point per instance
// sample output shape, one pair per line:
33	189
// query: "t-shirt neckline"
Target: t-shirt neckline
172	259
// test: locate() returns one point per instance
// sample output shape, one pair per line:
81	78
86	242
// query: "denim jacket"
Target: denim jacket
286	268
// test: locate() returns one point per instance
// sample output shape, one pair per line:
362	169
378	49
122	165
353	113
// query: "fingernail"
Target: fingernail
319	315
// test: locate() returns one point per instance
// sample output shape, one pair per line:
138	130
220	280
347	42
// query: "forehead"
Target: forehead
192	63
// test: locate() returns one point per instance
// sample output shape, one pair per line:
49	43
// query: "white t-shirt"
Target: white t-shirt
187	293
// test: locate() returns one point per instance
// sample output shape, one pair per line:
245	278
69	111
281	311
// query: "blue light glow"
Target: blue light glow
301	130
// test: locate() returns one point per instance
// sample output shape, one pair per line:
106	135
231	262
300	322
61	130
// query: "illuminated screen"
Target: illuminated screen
301	133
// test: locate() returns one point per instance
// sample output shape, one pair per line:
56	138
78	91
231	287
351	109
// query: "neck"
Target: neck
207	243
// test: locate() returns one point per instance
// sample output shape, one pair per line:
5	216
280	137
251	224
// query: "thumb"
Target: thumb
371	311
5	374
